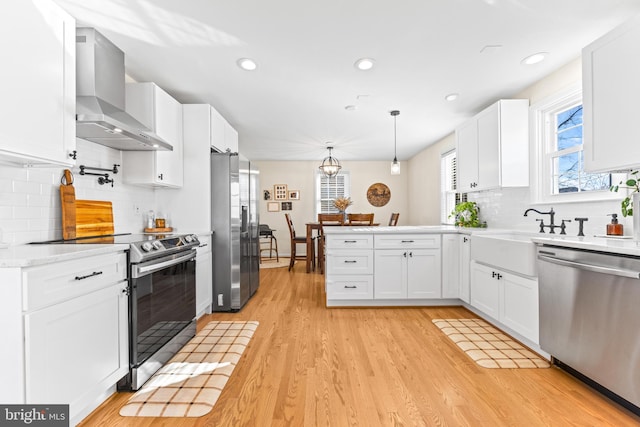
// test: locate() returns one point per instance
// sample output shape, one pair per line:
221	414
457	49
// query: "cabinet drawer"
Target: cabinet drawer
349	262
358	241
349	287
405	241
52	283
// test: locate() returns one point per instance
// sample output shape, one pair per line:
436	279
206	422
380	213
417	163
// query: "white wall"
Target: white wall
300	175
30	197
505	208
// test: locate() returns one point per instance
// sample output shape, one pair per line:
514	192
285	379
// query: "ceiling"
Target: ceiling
294	102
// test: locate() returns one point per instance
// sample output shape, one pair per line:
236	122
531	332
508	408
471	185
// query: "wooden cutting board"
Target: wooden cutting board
93	218
68	203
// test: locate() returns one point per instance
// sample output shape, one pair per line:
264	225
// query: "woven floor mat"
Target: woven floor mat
191	382
488	346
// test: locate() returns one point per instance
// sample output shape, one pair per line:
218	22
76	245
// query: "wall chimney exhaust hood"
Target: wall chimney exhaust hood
100	97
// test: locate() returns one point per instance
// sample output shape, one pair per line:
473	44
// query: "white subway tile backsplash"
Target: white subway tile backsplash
27	187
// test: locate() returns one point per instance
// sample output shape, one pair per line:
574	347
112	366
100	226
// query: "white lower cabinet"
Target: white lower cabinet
412	271
451	266
507	298
349	268
204	276
67	332
465	273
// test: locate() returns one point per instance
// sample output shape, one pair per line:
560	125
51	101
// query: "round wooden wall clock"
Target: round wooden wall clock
378	194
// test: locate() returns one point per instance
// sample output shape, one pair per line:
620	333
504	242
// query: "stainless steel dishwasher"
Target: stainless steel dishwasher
590	317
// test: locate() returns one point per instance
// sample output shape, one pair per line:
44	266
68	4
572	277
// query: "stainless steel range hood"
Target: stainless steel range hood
100	97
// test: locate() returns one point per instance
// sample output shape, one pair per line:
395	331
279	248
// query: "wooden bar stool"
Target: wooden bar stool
299	240
326	220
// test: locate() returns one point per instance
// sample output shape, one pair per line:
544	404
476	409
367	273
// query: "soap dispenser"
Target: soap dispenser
614	229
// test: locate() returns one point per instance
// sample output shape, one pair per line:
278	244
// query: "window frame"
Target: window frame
542	171
449	193
346	186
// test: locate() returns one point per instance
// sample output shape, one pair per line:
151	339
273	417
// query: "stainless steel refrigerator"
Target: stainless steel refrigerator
235	219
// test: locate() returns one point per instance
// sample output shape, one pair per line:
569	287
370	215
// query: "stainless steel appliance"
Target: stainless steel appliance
234	217
100	97
589	318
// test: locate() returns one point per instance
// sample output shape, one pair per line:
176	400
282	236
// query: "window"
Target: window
328	189
560	159
449	198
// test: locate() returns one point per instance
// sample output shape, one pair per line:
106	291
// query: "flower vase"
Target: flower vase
345	217
636	216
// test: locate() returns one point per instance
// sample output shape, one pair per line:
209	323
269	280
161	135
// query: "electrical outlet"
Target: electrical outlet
136	209
220	299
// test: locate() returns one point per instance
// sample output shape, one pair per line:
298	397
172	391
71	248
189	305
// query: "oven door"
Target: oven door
162	311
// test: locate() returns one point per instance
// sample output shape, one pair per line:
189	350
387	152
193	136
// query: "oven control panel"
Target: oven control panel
158	245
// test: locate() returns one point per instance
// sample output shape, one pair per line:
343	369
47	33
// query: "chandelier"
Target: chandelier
395	165
330	166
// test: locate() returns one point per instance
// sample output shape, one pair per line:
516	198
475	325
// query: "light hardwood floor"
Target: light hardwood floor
309	366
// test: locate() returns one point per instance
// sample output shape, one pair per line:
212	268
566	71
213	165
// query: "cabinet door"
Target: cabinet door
489	148
76	348
424	273
485	290
611	88
230	138
356	261
465	259
218	124
39	73
390	278
467	155
450	266
168	119
519	307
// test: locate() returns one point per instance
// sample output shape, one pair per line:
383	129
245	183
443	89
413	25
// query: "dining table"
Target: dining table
315	225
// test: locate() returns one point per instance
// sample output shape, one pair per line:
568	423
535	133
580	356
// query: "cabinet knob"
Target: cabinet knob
160	177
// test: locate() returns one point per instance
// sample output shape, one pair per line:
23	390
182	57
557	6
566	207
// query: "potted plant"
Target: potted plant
466	214
342	203
631	203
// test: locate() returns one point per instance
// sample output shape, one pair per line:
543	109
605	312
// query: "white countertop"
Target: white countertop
32	255
401	229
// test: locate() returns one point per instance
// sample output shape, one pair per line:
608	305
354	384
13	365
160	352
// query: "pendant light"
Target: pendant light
330	165
395	165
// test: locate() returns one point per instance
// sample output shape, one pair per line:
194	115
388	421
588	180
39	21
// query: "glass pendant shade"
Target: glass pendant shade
330	165
395	167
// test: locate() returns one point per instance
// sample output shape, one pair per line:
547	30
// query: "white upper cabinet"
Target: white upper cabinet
38	75
223	136
157	110
611	87
492	148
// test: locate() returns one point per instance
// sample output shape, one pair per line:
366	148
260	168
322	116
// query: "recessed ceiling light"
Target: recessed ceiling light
535	58
451	97
247	64
351	108
364	64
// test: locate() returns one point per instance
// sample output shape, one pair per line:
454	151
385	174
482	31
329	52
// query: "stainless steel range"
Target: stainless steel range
162	298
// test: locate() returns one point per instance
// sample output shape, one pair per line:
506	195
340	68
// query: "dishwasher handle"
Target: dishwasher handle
590	267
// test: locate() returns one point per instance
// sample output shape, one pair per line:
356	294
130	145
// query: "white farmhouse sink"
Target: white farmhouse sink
508	251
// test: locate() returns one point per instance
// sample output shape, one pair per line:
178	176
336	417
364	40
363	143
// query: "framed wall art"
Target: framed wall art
273	207
294	195
280	192
267	194
287	206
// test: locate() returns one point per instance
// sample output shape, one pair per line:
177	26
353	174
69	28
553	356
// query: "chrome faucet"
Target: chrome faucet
551	214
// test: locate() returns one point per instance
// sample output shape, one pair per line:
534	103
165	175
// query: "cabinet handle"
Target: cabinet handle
126	291
350	241
350	287
411	254
496	275
408	241
465	239
160	177
95	273
203	245
404	254
347	261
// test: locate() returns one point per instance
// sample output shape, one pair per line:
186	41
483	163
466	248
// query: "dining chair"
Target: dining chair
265	234
326	220
299	240
360	219
393	221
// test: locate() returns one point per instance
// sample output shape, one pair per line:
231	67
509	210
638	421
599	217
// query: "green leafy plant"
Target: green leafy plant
466	214
632	183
